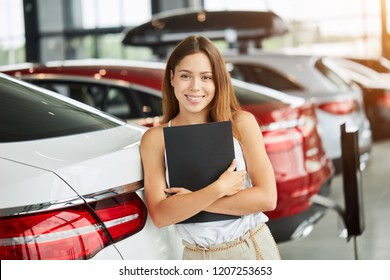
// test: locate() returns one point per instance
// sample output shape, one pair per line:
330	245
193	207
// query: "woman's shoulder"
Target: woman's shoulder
243	118
153	135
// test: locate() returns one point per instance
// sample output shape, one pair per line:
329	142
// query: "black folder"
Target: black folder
196	156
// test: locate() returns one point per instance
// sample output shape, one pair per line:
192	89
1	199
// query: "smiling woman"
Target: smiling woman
197	89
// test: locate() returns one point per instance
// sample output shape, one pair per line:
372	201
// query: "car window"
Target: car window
151	105
329	69
122	102
130	103
118	105
89	94
247	96
263	76
27	114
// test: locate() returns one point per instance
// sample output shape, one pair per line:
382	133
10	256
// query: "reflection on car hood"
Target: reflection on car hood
24	185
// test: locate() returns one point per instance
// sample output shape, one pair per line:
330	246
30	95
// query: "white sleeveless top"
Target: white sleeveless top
211	233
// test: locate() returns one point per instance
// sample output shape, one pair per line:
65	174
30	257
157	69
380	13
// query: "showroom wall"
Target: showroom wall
44	30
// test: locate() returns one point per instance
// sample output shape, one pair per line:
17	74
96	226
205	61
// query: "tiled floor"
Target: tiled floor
324	242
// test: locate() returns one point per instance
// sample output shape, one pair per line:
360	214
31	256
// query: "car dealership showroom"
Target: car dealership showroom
80	83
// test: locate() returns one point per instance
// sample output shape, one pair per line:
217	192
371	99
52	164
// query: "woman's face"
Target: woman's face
193	83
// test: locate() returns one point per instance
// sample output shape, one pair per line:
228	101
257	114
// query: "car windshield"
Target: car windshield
28	114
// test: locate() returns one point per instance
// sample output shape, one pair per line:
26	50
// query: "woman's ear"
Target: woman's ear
171	72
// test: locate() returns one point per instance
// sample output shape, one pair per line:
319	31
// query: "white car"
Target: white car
314	78
132	91
71	182
376	94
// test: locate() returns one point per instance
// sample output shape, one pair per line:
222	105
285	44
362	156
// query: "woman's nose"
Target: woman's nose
195	85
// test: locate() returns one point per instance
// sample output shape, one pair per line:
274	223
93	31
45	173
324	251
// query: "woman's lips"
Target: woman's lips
194	98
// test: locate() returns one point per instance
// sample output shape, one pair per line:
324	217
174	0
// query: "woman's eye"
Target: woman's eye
185	76
207	78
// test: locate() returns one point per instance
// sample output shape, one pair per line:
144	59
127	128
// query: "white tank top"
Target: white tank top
211	233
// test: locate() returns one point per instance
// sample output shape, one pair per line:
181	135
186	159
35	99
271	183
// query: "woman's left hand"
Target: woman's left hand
172	191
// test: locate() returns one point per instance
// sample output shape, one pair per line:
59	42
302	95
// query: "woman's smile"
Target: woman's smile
195	99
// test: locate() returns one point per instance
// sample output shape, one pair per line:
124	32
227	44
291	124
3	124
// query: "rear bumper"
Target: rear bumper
299	225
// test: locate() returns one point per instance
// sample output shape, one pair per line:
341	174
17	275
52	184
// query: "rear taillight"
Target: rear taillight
281	135
384	100
70	233
341	107
122	215
303	119
73	232
308	121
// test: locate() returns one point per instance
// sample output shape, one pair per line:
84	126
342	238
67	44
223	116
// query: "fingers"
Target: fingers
241	173
176	191
233	165
232	169
172	190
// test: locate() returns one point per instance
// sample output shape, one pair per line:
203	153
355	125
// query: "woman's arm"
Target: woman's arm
263	195
169	209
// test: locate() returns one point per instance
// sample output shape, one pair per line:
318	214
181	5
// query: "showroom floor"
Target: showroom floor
324	242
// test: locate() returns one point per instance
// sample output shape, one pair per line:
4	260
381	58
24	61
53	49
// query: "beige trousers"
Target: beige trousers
256	244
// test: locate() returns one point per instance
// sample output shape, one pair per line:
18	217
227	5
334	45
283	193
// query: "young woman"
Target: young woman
197	89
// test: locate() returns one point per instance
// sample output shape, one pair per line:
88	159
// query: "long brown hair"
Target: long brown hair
224	104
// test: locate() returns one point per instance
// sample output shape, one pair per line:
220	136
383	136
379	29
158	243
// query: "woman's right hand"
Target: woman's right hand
230	182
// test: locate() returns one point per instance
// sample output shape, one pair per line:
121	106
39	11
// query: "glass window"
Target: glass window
124	103
263	76
90	94
328	68
247	96
50	17
110	45
120	105
240	72
102	13
12	38
131	104
151	105
133	15
81	47
28	114
52	48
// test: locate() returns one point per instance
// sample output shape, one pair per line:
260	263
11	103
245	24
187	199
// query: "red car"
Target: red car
131	91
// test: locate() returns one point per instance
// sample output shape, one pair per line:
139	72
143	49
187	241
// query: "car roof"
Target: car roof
299	68
145	73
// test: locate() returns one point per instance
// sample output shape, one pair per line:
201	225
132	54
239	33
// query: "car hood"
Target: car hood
88	163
